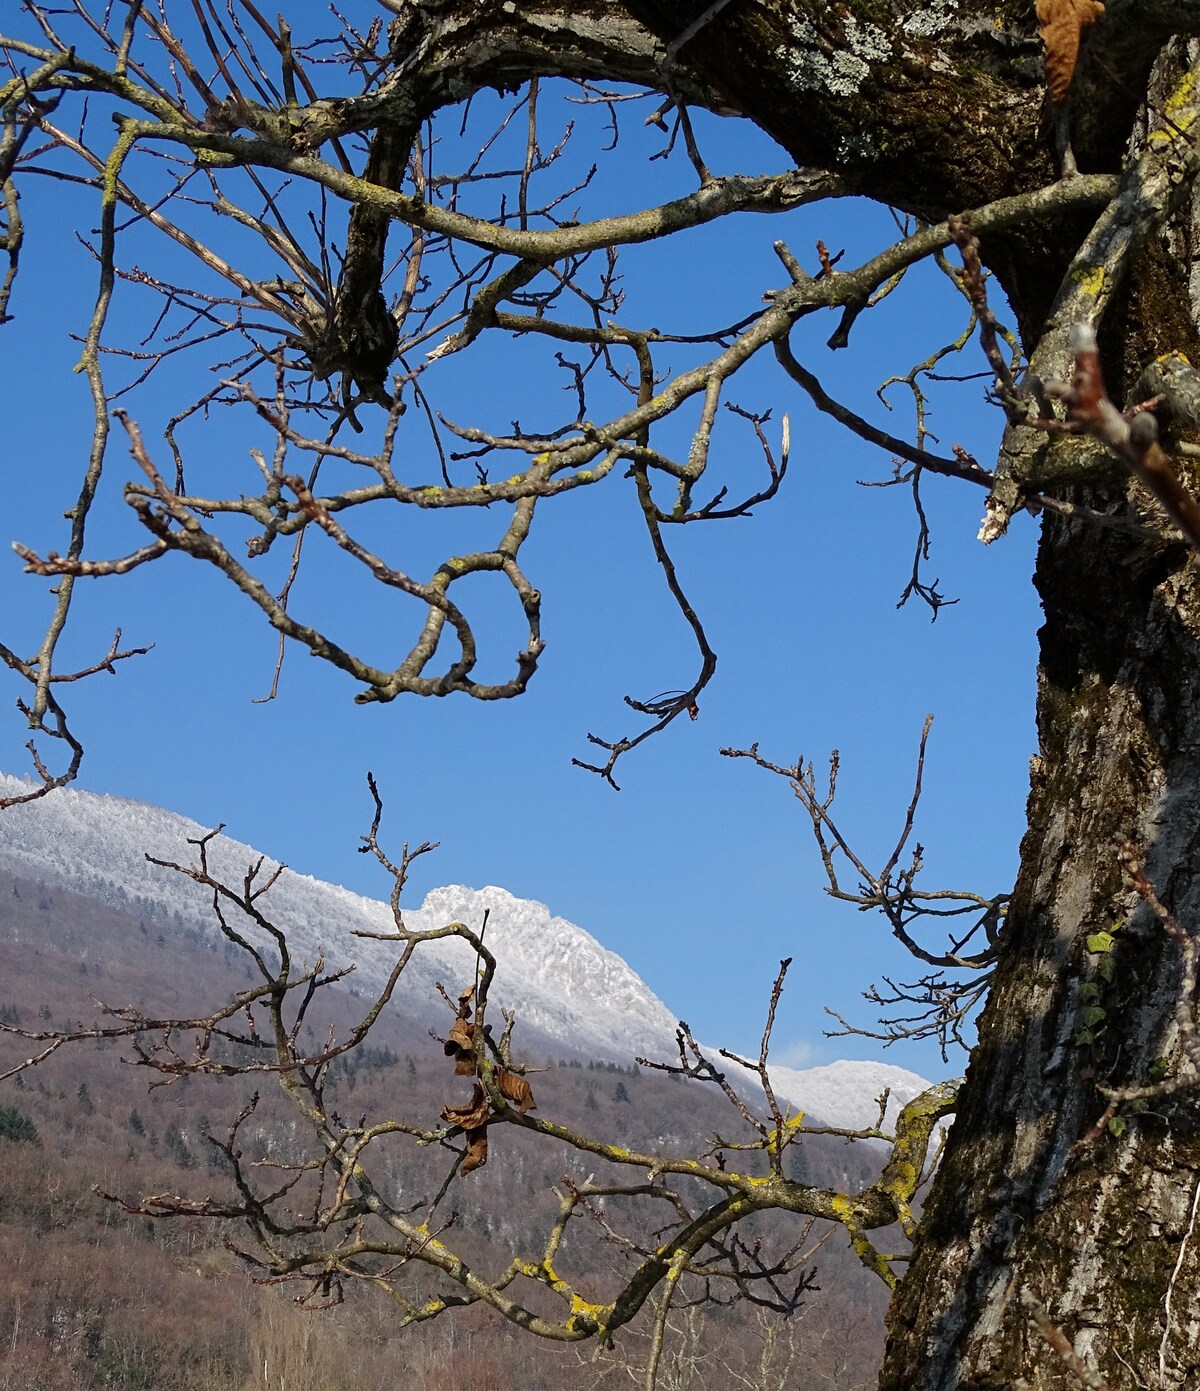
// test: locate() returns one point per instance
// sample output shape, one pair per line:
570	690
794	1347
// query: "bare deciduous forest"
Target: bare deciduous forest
96	1296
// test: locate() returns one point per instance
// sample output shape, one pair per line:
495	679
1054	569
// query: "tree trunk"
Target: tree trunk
1101	1233
1097	1224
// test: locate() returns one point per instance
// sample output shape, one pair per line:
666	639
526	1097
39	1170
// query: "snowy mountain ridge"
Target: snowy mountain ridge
557	976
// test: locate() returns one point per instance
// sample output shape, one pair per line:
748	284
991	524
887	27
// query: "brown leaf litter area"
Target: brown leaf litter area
474	1116
1063	24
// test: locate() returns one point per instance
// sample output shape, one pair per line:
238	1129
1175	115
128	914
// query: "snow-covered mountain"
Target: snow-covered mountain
558	977
844	1093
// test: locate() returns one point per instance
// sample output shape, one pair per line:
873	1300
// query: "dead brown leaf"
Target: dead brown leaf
1063	23
476	1155
517	1089
461	1047
472	1119
471	1116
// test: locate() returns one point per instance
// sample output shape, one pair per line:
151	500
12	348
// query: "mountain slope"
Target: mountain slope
564	985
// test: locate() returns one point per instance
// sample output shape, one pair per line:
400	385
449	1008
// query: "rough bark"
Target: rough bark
1100	1228
1093	1230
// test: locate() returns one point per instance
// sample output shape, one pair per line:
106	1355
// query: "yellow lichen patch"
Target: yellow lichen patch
1179	112
1180	104
1090	279
844	1209
588	1317
842	1206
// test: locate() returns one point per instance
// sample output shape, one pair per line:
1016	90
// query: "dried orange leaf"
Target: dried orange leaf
476	1155
473	1114
517	1089
1062	25
461	1047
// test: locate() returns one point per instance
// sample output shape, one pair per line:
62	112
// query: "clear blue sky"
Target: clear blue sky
701	872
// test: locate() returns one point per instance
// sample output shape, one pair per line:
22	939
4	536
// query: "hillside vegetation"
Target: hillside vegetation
96	1296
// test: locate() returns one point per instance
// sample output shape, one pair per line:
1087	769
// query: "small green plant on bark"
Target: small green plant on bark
1092	993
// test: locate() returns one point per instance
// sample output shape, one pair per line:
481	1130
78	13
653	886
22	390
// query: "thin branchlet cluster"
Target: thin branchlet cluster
944	1003
318	240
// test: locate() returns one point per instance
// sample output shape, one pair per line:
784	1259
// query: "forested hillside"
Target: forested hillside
98	1296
